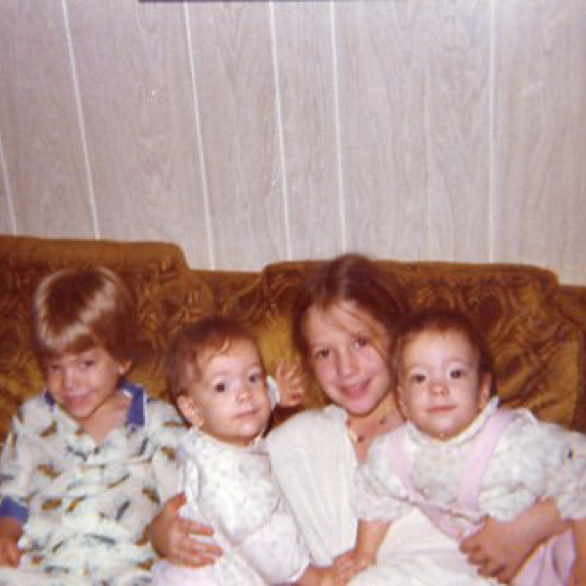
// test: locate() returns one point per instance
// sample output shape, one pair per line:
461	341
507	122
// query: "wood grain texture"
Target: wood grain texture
305	68
252	132
381	93
415	121
540	140
7	225
232	53
39	123
136	88
457	129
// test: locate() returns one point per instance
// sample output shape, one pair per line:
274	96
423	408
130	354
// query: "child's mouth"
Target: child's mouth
355	391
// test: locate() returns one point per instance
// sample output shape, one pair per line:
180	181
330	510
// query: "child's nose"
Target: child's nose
245	392
439	386
69	378
346	364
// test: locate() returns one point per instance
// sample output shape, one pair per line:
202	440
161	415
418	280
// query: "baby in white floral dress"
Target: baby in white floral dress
459	458
220	387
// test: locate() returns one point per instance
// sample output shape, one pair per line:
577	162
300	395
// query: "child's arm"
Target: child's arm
370	536
17	461
10	533
500	548
578	573
175	538
316	577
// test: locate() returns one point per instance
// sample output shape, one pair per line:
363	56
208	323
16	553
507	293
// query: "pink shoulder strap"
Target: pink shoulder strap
479	455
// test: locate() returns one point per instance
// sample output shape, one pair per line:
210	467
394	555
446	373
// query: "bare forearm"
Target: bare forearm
500	548
579	531
370	536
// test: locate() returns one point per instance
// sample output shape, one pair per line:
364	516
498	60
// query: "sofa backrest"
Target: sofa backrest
156	273
536	334
535	327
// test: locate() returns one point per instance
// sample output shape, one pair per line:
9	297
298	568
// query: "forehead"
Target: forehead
451	343
70	357
236	352
339	319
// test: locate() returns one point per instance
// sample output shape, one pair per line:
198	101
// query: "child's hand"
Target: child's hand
291	382
500	548
9	552
176	539
347	565
10	532
328	577
497	551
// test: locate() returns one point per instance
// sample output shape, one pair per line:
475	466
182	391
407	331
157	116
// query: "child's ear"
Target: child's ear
124	367
188	408
485	387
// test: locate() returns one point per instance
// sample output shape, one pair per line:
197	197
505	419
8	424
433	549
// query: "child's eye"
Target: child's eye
417	378
87	363
255	378
361	342
321	353
220	387
457	373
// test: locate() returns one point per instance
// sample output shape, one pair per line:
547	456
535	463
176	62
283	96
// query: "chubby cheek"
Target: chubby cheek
264	404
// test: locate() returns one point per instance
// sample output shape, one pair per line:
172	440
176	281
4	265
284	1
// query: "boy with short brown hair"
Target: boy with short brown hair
87	461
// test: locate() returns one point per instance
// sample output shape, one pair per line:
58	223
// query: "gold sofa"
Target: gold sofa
535	326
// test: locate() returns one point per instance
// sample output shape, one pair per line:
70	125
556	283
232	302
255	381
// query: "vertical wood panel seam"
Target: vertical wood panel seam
81	122
280	132
337	124
427	134
7	188
200	146
491	130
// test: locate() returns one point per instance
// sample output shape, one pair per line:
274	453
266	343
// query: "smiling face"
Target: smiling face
85	385
346	352
440	389
228	398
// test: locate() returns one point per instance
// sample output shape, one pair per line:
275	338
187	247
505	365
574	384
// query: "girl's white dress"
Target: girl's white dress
314	462
232	490
531	460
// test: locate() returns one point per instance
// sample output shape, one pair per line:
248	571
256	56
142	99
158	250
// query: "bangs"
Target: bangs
71	339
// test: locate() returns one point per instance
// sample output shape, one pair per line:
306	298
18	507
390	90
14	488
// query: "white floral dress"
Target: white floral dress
232	489
532	460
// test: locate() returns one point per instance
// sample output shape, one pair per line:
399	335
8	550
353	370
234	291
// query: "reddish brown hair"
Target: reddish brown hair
213	333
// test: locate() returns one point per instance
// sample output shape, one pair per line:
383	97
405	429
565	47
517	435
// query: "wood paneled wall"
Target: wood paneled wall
250	132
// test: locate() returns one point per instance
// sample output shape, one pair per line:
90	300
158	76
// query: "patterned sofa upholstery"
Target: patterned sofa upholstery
535	326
